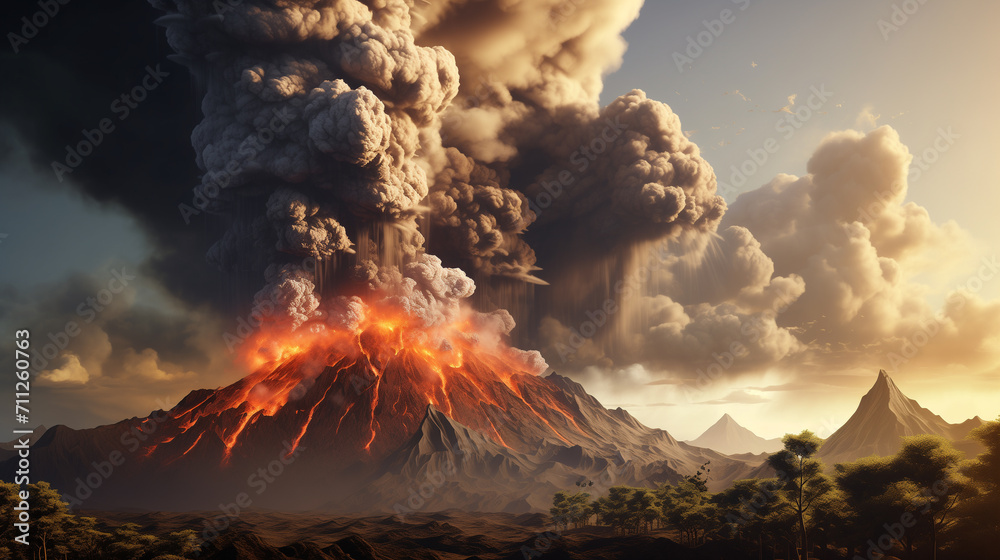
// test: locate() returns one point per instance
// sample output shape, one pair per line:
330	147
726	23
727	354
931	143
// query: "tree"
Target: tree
920	486
927	467
864	485
979	527
701	482
747	508
570	508
803	476
615	507
686	507
178	544
127	543
642	508
51	516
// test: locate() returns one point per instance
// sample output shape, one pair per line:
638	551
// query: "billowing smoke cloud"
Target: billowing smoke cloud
317	140
825	272
685	304
337	131
369	136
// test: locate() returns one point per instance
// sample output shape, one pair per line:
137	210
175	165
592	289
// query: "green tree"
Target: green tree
979	527
570	508
930	480
865	487
744	509
642	508
50	515
903	497
687	508
615	507
127	543
803	476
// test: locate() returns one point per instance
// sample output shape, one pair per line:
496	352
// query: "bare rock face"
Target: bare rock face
884	416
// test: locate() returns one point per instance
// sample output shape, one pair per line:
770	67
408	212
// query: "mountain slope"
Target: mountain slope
885	415
727	436
384	420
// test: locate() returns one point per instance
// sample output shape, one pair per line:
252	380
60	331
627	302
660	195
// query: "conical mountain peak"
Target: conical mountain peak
728	436
884	415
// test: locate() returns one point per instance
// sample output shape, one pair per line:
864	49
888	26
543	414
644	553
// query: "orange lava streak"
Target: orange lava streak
497	433
349	407
231	440
188	411
372	423
517	391
444	391
305	425
186	451
441	364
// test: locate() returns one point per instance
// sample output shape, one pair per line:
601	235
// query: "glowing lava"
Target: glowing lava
364	390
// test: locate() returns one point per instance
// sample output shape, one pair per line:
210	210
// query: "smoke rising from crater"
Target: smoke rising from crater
365	135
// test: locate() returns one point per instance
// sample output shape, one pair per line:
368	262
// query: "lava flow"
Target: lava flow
363	391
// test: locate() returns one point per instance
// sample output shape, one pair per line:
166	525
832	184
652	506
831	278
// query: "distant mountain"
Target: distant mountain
727	436
883	417
7	448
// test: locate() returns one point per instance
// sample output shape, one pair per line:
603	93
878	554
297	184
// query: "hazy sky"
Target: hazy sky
932	76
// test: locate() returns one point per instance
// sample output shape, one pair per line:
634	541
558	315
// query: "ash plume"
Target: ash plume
368	136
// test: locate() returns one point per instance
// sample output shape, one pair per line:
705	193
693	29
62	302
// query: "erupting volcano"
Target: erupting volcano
363	389
368	402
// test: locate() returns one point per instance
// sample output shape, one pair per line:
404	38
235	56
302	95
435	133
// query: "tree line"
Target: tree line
925	502
57	533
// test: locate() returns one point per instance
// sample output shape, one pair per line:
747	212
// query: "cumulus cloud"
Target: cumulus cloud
820	271
90	345
847	231
72	371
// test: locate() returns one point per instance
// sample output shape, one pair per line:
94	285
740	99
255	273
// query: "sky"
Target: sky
919	78
927	78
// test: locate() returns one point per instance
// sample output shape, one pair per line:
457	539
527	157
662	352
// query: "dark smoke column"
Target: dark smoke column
316	114
336	130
